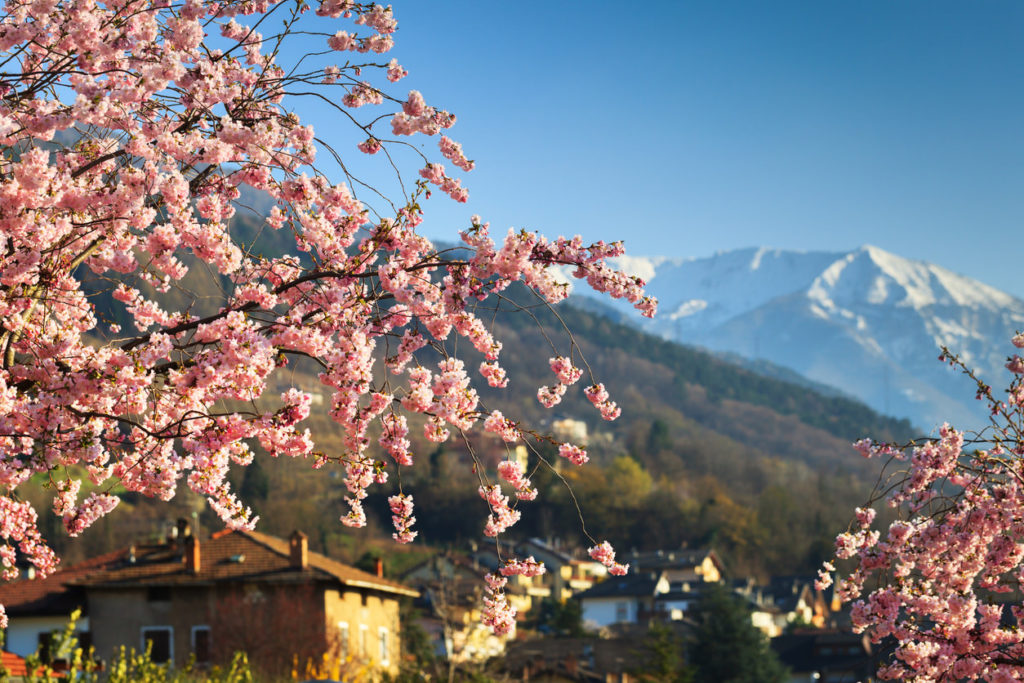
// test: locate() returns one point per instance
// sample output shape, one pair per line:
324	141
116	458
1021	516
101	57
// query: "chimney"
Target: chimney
192	563
298	547
380	568
181	533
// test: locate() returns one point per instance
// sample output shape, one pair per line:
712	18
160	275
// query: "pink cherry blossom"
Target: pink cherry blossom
940	579
604	554
160	123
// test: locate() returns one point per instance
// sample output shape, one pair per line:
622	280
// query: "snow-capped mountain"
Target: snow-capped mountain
867	322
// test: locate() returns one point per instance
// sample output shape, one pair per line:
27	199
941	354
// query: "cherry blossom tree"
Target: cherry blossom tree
130	128
944	580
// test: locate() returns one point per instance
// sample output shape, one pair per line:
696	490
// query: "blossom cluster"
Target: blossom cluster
134	175
941	579
528	567
498	614
512	472
598	395
502	515
605	554
401	517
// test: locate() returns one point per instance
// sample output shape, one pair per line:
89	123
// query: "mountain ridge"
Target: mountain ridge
866	321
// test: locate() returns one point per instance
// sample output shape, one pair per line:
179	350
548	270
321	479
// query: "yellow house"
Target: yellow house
286	606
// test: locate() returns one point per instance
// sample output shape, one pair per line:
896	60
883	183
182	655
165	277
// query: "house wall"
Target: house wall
605	611
766	622
709	571
22	637
674	610
272	623
119	616
369	613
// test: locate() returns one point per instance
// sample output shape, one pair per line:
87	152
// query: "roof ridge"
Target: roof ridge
323	561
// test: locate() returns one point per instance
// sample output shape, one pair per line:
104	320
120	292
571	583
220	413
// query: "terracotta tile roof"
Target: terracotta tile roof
233	556
350	576
51	595
13	664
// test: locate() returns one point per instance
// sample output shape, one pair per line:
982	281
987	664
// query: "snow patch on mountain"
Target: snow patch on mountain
688	308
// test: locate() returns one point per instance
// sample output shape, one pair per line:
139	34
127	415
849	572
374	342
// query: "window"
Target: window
621	611
364	636
343	637
44	644
383	637
201	644
161	641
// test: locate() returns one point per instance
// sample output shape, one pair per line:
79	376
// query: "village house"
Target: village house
826	656
451	599
785	600
38	607
568	574
661	586
629	599
238	590
686	565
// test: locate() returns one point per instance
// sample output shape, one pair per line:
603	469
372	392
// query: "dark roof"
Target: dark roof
824	651
783	592
630	585
672	559
580	659
50	596
233	556
545	547
678	594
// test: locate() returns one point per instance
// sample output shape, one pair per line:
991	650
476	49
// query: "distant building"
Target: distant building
569	575
38	607
451	598
686	565
826	657
629	599
237	590
785	600
568	429
597	660
660	586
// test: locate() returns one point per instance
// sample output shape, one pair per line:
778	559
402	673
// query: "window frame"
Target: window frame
345	638
384	646
169	630
209	642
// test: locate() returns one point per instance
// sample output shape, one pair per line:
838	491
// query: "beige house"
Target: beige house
685	565
452	588
243	590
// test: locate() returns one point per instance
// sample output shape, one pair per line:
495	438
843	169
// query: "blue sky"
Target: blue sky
691	127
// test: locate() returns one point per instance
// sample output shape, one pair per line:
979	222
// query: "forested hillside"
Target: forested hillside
705	452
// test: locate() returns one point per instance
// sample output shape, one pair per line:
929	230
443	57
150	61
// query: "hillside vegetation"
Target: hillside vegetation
705	452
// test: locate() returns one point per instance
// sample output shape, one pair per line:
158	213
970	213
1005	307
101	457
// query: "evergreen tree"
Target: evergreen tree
560	618
726	648
663	656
